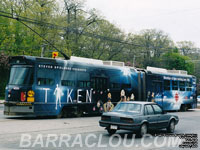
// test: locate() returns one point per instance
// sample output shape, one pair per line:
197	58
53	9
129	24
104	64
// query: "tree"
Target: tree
4	71
21	39
150	44
178	62
77	23
186	47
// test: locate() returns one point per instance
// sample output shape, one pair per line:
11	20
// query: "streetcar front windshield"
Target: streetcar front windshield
21	75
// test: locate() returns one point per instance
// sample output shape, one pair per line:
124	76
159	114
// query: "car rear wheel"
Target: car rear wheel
111	131
143	130
171	127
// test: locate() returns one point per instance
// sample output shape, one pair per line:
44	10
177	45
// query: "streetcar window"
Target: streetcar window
188	84
45	77
115	82
68	78
67	83
45	81
83	79
21	76
174	85
182	85
167	85
84	84
182	89
189	89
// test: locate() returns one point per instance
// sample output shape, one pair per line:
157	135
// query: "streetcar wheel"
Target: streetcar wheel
78	113
61	114
184	107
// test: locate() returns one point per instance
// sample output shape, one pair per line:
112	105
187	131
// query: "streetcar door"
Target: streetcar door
157	89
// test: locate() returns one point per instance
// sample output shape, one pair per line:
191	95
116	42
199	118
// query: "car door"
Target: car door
162	119
150	116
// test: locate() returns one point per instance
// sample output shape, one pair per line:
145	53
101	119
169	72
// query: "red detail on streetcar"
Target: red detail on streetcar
176	97
23	96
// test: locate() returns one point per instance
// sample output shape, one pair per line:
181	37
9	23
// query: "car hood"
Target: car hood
121	114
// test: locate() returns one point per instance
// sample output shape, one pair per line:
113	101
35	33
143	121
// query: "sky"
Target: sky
180	19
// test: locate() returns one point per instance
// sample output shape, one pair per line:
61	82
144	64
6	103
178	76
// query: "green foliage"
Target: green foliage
178	62
4	71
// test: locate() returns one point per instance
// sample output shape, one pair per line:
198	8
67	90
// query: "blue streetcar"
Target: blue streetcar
54	87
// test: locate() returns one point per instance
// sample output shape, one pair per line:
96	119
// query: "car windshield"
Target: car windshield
128	107
20	75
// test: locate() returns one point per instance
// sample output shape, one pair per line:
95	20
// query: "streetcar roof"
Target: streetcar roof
33	59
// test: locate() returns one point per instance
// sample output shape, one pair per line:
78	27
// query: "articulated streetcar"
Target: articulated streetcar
54	87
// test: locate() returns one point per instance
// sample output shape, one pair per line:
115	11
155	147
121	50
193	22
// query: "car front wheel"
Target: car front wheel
143	130
171	127
111	131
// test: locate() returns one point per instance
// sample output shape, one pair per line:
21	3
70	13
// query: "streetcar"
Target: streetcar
55	87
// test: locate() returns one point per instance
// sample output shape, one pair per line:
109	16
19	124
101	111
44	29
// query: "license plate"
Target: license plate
113	127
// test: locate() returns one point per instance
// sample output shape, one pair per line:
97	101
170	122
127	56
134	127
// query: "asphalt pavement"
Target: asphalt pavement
84	133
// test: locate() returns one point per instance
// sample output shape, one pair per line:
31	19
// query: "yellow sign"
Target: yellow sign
31	93
30	99
54	54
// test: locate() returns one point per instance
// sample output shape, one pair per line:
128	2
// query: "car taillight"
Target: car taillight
105	118
126	120
23	96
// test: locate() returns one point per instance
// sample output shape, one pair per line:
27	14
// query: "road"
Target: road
84	133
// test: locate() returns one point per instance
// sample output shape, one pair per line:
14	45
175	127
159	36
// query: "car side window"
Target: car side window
145	111
149	109
157	109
